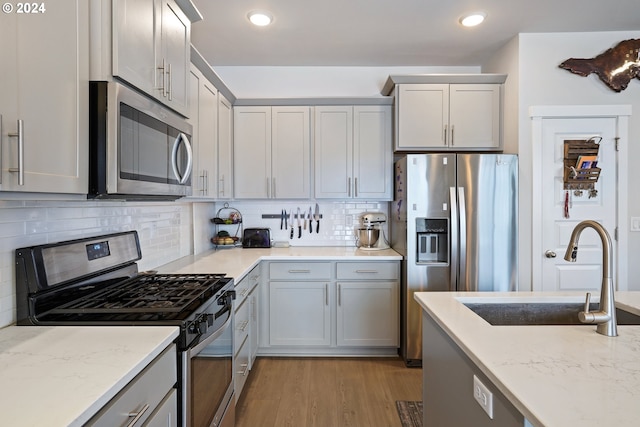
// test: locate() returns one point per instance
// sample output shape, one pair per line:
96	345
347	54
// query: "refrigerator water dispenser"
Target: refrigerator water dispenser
432	240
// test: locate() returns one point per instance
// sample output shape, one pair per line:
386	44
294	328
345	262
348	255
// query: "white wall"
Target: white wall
316	82
541	82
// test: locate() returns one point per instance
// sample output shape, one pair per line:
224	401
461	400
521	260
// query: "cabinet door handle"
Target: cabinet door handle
169	91
20	135
339	294
367	271
349	187
326	294
445	134
452	140
137	415
245	369
299	271
243	326
163	88
355	187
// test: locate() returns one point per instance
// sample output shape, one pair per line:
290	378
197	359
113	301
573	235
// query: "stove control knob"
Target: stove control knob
210	318
202	324
199	325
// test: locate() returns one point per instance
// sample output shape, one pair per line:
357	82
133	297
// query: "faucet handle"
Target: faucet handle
587	302
586	316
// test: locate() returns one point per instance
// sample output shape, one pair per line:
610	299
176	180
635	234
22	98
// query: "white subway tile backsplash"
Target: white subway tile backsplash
337	225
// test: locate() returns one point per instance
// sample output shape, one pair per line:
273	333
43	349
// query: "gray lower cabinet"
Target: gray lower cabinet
245	328
330	308
448	386
148	400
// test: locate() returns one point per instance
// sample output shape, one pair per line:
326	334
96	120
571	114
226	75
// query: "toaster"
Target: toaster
256	238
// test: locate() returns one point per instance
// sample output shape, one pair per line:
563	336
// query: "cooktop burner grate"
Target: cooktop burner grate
153	293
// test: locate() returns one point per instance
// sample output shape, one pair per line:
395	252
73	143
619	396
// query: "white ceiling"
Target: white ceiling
389	32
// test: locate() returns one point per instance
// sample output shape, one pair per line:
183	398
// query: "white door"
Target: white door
562	209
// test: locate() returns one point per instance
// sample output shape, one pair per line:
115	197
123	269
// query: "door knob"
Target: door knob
550	254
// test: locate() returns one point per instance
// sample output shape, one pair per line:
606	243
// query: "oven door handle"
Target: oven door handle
210	338
182	178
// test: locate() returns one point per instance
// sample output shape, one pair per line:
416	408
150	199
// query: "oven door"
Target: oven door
208	393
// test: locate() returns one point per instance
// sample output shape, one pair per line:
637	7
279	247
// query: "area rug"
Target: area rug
410	413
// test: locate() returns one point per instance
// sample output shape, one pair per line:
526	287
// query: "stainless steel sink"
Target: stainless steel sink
540	313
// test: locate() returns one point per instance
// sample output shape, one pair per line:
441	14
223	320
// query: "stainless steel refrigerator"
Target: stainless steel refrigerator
454	220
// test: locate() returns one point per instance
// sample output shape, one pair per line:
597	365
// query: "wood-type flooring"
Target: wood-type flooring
326	392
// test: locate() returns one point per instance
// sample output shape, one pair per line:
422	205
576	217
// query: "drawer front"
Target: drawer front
300	270
368	270
166	415
253	278
242	290
241	368
246	285
241	325
143	394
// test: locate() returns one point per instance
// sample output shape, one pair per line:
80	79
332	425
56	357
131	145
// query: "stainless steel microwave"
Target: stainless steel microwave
138	148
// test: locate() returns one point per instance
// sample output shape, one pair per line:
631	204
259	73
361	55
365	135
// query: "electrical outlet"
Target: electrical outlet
483	396
635	223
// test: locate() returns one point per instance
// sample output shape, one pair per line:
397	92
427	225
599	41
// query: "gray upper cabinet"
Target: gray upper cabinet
225	148
353	153
443	112
151	49
134	43
204	119
44	99
448	116
272	152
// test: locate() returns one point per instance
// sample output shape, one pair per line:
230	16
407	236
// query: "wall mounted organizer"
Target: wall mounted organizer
580	163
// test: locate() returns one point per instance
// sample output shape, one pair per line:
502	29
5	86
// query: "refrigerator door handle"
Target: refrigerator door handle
453	235
462	241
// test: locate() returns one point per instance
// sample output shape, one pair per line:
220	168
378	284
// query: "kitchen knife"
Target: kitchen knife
304	215
282	219
316	216
284	212
291	222
299	225
310	221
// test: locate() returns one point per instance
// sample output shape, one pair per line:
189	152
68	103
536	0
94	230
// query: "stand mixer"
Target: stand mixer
370	236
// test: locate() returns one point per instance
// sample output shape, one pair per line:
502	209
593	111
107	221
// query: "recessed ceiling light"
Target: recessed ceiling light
473	19
260	18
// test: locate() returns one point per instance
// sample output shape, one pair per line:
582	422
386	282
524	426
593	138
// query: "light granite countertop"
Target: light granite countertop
554	375
63	375
237	262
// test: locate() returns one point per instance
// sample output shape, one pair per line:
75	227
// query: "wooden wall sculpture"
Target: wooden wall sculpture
616	67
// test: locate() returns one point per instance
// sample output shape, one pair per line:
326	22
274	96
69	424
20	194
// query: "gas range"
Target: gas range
95	282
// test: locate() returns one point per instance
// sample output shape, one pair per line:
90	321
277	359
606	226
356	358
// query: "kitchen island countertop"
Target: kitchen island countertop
237	262
63	375
554	375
